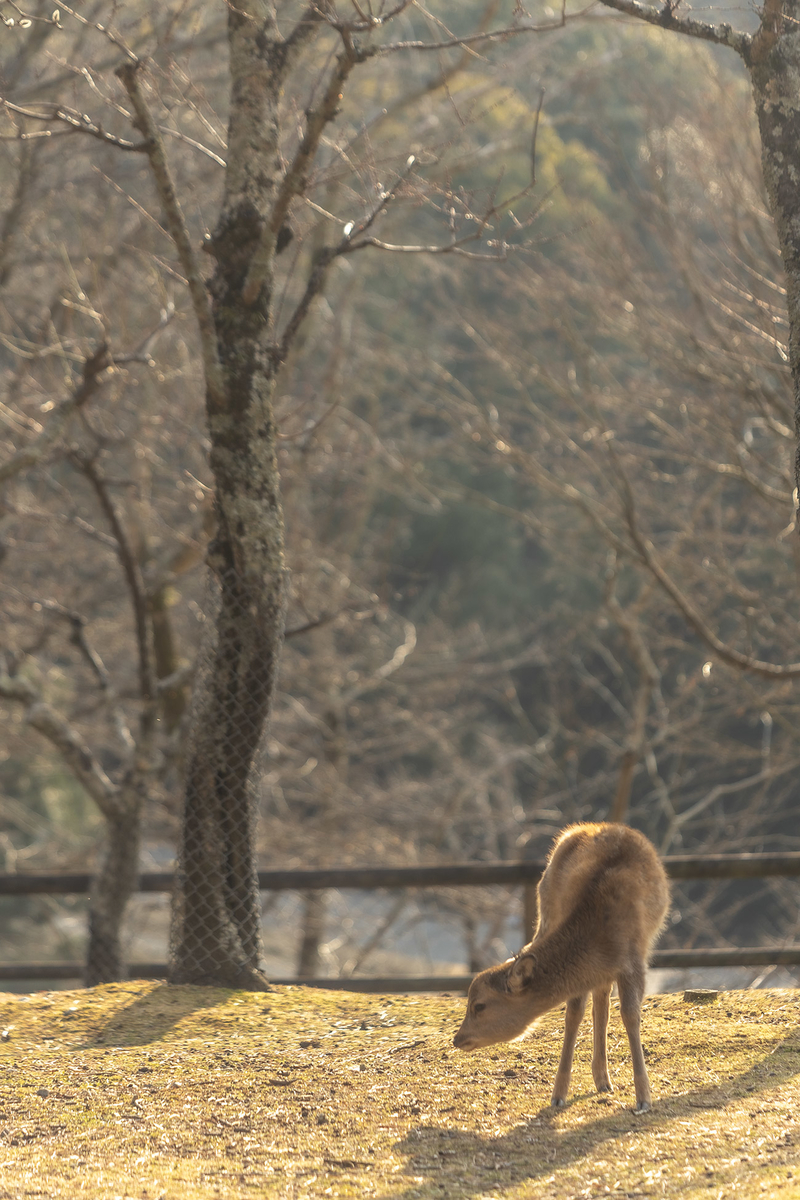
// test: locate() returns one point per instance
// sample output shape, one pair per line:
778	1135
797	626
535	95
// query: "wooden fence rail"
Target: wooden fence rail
525	873
678	866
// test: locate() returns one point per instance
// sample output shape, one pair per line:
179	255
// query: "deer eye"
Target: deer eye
478	1007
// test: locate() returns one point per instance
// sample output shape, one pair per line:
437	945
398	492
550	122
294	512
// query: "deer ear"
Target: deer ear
520	973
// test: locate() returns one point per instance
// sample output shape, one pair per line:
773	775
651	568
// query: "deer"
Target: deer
603	900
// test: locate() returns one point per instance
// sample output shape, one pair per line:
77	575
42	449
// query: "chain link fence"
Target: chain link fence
216	918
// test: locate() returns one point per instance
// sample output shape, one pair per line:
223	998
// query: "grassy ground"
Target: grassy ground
143	1091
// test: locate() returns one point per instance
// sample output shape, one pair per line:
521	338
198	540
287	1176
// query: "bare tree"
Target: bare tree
647	422
291	68
771	56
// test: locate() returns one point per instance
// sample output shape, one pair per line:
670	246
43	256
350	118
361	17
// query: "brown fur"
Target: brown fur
603	899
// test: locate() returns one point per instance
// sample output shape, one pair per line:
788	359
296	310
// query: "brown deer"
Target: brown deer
603	899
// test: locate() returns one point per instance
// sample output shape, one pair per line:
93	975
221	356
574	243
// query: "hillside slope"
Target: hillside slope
140	1090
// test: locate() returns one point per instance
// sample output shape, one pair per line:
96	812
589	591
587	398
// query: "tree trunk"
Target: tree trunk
774	63
114	884
308	960
216	937
216	928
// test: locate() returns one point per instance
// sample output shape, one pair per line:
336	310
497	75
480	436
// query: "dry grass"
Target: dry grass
139	1090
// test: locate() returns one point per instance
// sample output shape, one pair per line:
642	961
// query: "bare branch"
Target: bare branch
317	623
58	731
307	24
480	38
367	23
726	654
457	247
665	18
105	30
188	141
78	122
294	178
406	647
136	588
78	637
314	286
143	352
722	789
177	679
176	224
96	369
14	213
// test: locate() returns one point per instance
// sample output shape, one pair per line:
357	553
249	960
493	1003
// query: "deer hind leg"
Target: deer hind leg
631	991
576	1007
600	1004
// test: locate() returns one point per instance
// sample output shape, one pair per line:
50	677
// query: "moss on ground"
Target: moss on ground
143	1091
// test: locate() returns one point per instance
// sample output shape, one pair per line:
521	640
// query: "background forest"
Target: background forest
538	492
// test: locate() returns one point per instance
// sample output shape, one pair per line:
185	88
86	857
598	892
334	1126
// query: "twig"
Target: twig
476	39
721	789
133	577
78	637
78	122
96	369
734	658
106	30
176	224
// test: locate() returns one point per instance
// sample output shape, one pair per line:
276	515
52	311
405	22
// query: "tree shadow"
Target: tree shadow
150	1017
462	1163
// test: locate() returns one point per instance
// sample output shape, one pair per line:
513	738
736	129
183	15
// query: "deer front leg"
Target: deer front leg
572	1021
600	1003
631	991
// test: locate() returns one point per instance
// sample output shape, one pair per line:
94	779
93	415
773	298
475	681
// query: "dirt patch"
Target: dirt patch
140	1090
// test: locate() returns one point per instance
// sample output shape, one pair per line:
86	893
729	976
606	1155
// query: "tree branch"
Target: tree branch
13	214
726	654
136	588
78	757
722	789
480	38
96	369
294	178
665	18
77	623
78	123
176	224
307	24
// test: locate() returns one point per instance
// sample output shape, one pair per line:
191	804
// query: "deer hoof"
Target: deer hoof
642	1107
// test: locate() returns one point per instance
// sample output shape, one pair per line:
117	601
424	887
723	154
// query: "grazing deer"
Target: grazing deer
602	902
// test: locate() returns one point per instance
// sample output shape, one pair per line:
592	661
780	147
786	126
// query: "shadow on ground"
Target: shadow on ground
460	1163
149	1018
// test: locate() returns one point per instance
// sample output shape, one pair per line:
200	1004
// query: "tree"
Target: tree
772	58
300	141
290	67
645	415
